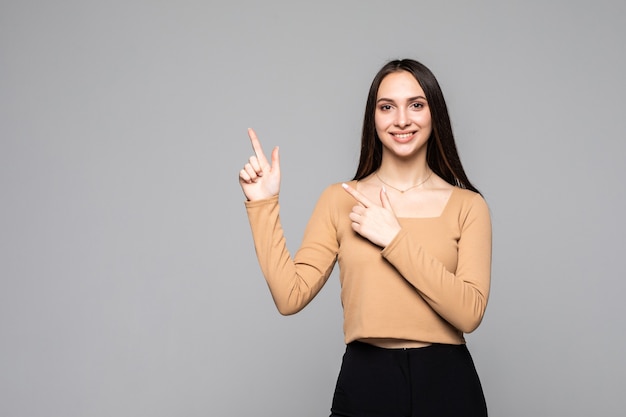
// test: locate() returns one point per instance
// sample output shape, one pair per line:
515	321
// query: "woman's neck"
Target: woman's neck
403	174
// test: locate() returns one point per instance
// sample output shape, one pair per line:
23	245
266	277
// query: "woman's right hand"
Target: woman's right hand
258	179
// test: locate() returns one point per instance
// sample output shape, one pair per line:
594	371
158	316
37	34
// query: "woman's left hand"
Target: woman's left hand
378	224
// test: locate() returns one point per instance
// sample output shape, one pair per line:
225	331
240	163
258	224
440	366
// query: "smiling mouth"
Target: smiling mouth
403	135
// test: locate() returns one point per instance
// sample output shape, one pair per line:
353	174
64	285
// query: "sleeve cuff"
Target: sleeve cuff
258	203
389	249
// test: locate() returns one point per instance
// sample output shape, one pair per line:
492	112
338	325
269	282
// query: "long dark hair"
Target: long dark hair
441	153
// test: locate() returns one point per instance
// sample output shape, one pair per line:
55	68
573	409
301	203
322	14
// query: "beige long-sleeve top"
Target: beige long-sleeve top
430	284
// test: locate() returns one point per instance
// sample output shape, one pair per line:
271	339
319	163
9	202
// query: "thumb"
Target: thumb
384	199
275	160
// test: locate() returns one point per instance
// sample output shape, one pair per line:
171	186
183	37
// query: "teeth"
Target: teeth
403	135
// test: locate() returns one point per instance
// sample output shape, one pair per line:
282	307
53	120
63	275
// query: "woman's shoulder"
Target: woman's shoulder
337	188
465	194
467	201
334	194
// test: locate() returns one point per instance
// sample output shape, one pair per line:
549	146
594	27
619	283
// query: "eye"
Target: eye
417	105
385	107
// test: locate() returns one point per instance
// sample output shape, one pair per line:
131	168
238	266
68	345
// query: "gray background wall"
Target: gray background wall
128	280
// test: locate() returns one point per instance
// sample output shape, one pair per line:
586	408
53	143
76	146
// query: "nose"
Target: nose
402	118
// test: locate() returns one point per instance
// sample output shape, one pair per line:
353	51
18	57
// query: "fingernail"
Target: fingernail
344	185
384	190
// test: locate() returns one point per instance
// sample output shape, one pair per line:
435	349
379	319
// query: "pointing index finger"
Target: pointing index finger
256	145
360	198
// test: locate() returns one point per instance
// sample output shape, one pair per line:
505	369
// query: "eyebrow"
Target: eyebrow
409	99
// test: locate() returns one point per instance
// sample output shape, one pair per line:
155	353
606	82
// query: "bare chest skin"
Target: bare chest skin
423	202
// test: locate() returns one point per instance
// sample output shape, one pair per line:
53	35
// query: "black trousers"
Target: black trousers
435	381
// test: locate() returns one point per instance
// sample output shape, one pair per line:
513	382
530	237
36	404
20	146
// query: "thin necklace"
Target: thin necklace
406	189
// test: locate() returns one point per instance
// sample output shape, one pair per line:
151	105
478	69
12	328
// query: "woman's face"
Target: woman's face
402	116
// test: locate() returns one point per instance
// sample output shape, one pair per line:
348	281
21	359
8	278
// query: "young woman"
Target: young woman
412	237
